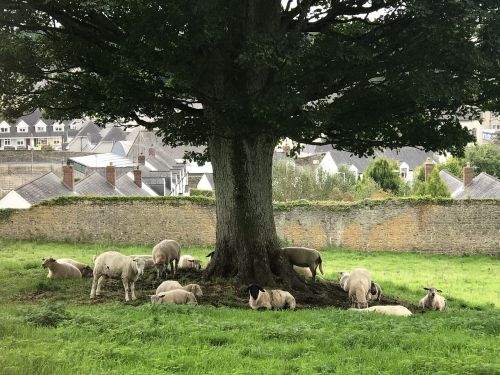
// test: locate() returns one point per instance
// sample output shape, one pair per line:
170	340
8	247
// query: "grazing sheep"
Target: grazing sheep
375	292
187	261
177	296
395	310
115	265
360	282
344	280
61	270
165	253
304	257
304	271
84	269
149	263
261	299
169	285
433	301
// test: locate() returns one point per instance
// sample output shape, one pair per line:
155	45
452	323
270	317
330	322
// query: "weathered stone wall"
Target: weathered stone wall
452	227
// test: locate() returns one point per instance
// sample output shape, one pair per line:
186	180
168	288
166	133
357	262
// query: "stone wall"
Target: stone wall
451	227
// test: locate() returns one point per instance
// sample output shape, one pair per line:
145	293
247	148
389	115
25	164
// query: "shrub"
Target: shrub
48	314
202	193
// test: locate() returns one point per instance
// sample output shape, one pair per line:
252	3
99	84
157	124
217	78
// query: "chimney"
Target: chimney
468	175
141	159
137	177
429	166
111	174
68	177
152	152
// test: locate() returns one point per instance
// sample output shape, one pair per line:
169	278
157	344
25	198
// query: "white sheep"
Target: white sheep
344	280
261	299
360	281
169	285
84	269
304	257
165	253
433	301
304	271
395	310
148	259
177	296
115	265
188	261
61	270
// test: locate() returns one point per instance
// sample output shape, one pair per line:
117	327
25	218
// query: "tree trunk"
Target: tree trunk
247	245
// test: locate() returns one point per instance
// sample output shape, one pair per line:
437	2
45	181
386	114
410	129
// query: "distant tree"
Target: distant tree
484	158
453	165
434	187
385	173
366	188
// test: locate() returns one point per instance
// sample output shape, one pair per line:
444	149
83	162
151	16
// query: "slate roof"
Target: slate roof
310	160
31	120
114	134
44	187
127	186
95	184
90	131
451	181
482	186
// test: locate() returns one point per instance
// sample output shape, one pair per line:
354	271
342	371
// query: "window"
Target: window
58	128
40	129
6	142
56	141
42	141
4	130
20	142
72	126
22	129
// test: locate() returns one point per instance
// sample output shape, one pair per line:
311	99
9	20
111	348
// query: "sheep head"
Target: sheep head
87	271
47	262
254	290
195	263
432	291
140	263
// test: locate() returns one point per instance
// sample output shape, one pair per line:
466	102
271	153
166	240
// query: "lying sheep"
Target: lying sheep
188	261
115	265
433	301
165	253
148	259
61	270
360	282
304	257
261	299
169	285
84	269
304	271
344	280
375	292
395	310
178	296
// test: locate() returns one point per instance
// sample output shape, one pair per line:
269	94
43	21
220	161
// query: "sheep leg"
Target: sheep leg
132	290
172	268
176	264
94	285
125	286
313	273
100	284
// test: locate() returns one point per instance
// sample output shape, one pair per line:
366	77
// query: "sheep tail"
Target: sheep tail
320	265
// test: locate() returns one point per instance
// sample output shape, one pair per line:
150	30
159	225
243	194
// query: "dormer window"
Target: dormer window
4	129
58	127
39	128
22	129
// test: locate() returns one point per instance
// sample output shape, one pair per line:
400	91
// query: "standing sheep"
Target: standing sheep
360	282
148	259
61	270
375	292
177	296
169	285
304	257
165	253
433	301
394	310
344	280
188	261
261	299
115	265
84	269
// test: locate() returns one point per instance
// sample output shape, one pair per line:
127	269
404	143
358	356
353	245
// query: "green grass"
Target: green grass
119	338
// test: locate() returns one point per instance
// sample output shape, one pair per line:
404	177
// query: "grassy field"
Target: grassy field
39	335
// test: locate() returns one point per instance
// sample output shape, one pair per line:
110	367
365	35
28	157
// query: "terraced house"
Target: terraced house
34	132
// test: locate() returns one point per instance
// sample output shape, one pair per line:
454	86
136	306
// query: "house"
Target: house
32	131
50	186
480	187
206	182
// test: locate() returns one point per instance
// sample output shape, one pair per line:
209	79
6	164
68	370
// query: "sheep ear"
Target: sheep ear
426	288
439	290
262	290
190	260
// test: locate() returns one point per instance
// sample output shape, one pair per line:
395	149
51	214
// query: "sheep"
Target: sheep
165	253
177	296
115	265
147	258
433	301
169	285
344	280
84	269
375	292
360	282
261	299
304	271
304	257
187	261
395	310
61	270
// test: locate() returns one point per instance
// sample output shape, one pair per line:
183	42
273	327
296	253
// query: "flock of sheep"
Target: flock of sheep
111	264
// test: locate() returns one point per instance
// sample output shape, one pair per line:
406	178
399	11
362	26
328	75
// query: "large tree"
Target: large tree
239	75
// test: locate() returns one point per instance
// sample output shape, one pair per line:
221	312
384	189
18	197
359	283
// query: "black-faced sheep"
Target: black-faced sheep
165	253
114	265
84	269
177	296
61	270
261	299
375	292
304	257
433	301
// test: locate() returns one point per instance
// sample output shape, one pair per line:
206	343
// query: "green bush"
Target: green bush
48	314
202	193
